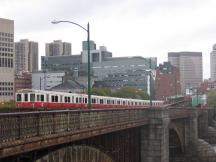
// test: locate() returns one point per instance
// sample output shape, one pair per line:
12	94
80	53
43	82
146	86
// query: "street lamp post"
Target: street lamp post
150	83
88	42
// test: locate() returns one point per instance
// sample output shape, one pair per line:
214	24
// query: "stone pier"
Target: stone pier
155	137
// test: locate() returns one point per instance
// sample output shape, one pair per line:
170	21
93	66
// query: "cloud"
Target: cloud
126	27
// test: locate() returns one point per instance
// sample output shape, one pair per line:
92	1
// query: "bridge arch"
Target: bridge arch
76	153
203	125
176	140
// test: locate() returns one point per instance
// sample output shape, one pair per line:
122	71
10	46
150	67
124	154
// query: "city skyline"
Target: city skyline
131	28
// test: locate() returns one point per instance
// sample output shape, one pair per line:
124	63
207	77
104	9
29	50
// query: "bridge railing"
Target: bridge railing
27	125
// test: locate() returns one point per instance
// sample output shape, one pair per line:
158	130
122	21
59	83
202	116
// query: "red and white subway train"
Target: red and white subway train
28	98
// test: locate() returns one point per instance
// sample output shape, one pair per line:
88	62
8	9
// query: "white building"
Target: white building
46	80
58	48
213	63
96	55
6	59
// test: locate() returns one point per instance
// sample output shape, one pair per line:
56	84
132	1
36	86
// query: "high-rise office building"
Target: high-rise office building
58	48
190	66
85	45
6	59
26	56
33	50
213	63
96	55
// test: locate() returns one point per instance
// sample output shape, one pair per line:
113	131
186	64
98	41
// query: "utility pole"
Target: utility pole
150	83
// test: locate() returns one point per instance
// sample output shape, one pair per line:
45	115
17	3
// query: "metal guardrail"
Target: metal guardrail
27	125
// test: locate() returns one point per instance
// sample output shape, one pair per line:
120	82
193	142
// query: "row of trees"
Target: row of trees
125	92
211	98
7	104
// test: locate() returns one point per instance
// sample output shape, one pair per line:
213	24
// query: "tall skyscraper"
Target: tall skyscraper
6	59
190	66
213	63
26	56
33	53
58	48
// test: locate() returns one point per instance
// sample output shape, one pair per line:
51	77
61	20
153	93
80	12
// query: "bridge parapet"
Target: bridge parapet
22	132
177	113
28	131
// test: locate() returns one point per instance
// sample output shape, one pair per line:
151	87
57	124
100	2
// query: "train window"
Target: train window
25	97
72	99
118	102
77	99
19	97
80	100
68	99
42	97
65	99
94	100
38	97
56	98
53	98
123	102
32	97
101	101
85	100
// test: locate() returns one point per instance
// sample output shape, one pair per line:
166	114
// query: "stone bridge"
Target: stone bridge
111	135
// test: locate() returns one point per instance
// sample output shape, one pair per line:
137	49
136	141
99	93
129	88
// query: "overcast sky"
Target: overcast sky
126	27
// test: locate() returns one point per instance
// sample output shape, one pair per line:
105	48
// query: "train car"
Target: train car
38	99
175	99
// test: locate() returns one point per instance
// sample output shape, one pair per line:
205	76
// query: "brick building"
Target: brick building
167	82
23	81
206	86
